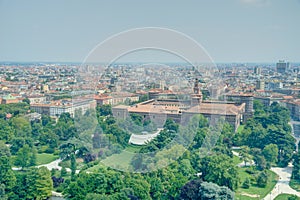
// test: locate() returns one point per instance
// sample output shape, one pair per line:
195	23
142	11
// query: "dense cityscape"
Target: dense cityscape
130	113
142	100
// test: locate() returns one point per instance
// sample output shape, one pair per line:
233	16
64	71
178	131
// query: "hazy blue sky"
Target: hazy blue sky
230	30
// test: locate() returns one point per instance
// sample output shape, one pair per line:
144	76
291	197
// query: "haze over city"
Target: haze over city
230	31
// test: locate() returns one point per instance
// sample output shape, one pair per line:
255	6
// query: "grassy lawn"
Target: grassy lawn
133	148
45	158
254	192
118	161
240	128
121	160
284	197
295	185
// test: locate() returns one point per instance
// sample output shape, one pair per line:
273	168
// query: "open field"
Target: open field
45	158
254	192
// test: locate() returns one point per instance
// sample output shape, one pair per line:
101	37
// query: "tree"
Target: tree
136	118
4	150
57	181
260	162
171	125
33	157
246	157
190	190
63	172
105	110
39	183
7	176
44	184
270	152
208	191
257	136
73	166
7	131
89	157
22	126
296	168
3	196
293	197
26	100
246	183
220	170
140	187
262	179
46	120
23	157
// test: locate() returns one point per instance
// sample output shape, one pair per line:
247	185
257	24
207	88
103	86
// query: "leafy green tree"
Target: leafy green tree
296	166
7	131
260	162
262	179
47	120
26	100
258	107
33	157
220	170
208	191
136	118
73	166
63	172
190	190
4	150
245	154
21	126
270	152
66	149
293	197
16	144
140	187
39	183
7	177
3	196
246	183
257	136
23	157
104	110
285	143
203	121
44	184
20	190
171	125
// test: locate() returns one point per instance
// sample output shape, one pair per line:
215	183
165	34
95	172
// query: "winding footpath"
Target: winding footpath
54	165
282	185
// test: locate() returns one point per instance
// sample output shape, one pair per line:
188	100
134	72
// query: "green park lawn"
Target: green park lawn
118	161
45	158
283	197
254	192
240	128
133	148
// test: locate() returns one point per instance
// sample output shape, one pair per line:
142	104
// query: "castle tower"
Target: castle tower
196	98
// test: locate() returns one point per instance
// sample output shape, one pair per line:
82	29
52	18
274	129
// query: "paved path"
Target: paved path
54	165
282	185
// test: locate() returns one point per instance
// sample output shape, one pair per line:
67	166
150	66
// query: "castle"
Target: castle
158	110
